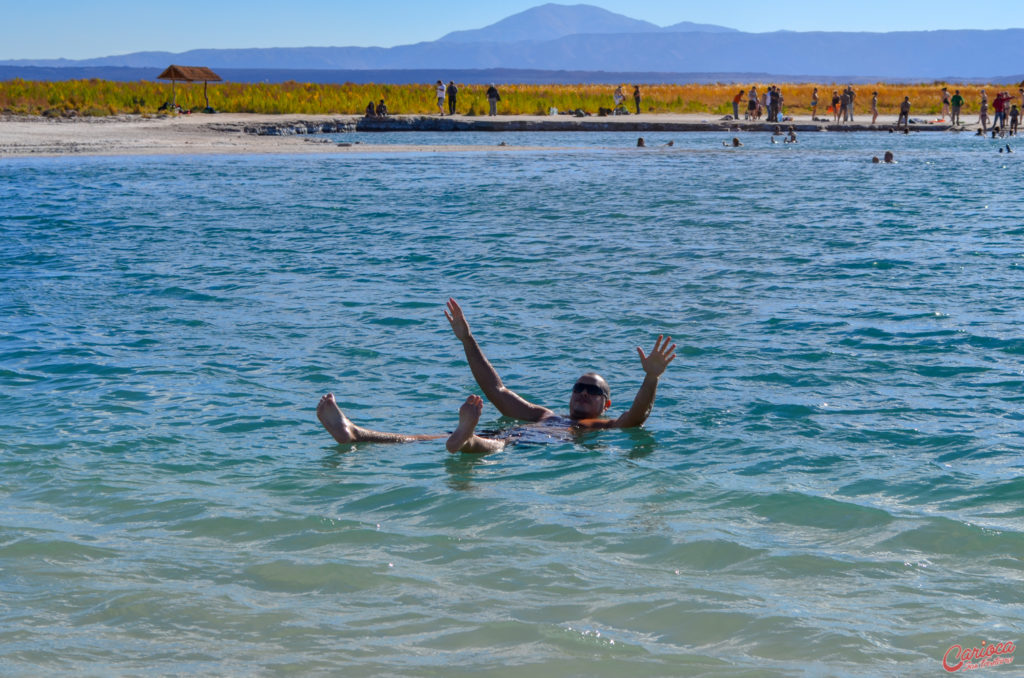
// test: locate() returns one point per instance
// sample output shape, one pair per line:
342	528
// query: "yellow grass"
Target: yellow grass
102	97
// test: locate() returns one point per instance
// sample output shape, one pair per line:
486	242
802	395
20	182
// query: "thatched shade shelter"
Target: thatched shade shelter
189	74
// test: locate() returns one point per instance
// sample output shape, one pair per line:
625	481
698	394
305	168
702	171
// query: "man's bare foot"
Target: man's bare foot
335	421
469	415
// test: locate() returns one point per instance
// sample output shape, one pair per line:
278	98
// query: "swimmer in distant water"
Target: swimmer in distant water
640	143
888	158
589	399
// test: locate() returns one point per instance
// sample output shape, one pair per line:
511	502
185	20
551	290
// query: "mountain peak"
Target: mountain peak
553	21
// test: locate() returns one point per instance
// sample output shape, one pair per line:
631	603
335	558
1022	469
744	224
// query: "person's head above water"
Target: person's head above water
590	397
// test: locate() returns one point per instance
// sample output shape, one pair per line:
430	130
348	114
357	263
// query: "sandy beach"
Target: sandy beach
229	133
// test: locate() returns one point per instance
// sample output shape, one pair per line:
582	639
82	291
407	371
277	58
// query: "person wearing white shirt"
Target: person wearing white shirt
440	97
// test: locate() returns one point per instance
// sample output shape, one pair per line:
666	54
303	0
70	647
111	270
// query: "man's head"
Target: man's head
590	397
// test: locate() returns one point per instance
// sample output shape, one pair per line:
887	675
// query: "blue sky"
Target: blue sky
80	29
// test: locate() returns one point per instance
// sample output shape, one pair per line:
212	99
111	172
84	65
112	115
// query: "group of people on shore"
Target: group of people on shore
771	102
380	110
619	99
445	94
1003	117
450	93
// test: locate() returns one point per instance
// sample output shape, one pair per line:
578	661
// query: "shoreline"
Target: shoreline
236	133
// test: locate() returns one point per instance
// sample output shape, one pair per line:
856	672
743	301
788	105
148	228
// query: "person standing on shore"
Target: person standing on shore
736	104
874	107
904	114
814	103
439	90
844	105
983	112
452	91
767	102
853	99
999	106
1014	117
956	104
835	105
752	103
636	98
492	99
945	104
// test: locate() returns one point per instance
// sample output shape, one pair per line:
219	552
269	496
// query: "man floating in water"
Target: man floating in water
589	399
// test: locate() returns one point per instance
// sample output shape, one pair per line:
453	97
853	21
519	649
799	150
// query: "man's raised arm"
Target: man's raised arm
508	403
654	366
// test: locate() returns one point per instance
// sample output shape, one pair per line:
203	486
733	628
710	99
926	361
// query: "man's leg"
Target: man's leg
344	431
463	439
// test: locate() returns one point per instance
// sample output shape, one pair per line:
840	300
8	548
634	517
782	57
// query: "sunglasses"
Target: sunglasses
589	389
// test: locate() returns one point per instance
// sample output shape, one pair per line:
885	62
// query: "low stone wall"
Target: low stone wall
292	127
556	124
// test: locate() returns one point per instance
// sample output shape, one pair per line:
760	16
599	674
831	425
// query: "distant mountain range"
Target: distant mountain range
587	39
551	22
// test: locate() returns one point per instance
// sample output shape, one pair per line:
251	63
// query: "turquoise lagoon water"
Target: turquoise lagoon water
829	484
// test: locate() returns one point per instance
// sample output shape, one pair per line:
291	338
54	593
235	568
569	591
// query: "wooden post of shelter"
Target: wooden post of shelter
189	74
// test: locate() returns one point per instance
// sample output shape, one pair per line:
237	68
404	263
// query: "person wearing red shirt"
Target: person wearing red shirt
999	106
736	104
